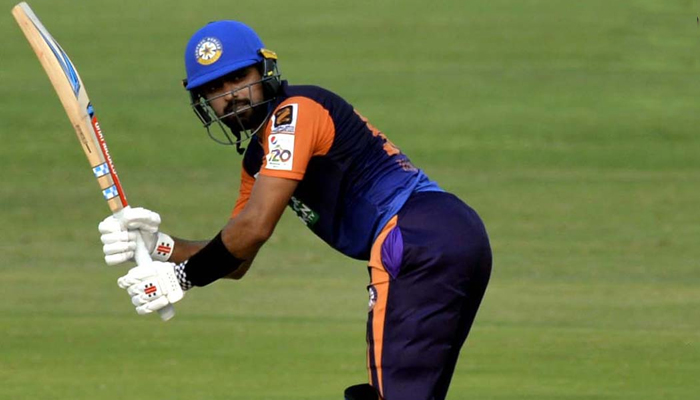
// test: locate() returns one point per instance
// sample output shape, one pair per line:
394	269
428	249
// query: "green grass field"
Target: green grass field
572	127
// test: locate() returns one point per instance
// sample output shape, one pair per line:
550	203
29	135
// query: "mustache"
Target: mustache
238	107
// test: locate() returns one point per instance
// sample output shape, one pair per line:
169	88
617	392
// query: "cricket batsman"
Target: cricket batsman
428	253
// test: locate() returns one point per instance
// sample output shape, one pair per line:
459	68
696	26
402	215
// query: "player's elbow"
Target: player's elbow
259	236
240	271
256	234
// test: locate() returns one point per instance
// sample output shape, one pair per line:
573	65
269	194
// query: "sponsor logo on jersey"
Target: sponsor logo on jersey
372	297
284	120
306	214
281	152
208	51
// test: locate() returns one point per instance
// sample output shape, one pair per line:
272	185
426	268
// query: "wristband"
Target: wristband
213	262
164	247
185	283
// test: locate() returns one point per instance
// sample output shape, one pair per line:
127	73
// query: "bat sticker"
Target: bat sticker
101	170
110	192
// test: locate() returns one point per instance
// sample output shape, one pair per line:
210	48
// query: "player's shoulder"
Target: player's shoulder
310	96
309	91
303	105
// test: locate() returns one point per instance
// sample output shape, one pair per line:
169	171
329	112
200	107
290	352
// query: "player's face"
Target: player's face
233	96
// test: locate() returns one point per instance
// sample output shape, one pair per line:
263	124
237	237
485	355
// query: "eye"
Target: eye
212	87
237	76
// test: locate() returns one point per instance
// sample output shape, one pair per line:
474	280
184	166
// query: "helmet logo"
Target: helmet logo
208	51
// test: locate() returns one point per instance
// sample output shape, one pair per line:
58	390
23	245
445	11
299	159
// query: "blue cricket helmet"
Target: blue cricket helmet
215	51
220	48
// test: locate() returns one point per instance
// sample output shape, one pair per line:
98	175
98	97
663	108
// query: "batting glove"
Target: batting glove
119	236
152	286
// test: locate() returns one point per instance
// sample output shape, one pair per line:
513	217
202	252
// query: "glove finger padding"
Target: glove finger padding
116	259
110	225
118	246
152	306
141	218
119	236
146	221
136	275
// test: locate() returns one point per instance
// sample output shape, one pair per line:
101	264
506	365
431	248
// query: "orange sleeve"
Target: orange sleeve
299	129
246	188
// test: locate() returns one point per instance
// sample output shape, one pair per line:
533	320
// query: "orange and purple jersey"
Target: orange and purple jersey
428	253
352	179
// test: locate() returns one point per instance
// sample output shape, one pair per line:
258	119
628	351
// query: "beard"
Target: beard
245	119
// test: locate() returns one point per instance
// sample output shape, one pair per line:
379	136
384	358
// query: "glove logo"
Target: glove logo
208	51
163	249
150	289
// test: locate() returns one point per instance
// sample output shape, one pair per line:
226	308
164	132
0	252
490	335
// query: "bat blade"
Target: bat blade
70	89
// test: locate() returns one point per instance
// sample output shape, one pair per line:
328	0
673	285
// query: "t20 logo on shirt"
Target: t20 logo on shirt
281	152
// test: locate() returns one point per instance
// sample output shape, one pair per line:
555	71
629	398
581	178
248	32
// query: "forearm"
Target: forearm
213	262
184	249
243	244
231	252
241	270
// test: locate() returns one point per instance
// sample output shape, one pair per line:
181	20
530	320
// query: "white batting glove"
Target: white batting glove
152	286
119	236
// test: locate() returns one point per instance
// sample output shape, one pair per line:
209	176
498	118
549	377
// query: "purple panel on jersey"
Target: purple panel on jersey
392	252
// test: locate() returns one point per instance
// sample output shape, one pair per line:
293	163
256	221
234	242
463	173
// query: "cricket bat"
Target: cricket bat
71	91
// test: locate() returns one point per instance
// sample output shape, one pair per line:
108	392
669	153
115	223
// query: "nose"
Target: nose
229	91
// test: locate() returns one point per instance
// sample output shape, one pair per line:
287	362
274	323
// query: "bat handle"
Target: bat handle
142	256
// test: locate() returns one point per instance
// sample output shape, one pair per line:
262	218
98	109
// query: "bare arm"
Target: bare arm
245	234
184	249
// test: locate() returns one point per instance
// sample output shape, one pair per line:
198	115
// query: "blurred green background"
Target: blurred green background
572	127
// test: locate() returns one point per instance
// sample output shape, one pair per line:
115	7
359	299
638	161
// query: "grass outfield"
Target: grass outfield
572	127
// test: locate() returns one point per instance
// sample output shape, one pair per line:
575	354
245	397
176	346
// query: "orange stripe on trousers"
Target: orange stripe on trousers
380	281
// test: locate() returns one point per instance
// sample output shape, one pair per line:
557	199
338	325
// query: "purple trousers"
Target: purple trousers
429	269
